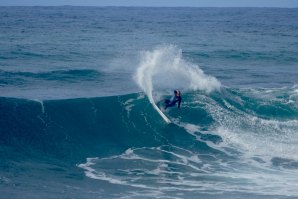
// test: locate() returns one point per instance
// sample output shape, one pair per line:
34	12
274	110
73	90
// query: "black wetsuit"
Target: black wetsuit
173	101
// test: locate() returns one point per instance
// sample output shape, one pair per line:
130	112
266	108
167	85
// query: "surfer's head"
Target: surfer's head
177	92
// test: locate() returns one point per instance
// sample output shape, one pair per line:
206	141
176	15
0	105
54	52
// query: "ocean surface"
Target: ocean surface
78	84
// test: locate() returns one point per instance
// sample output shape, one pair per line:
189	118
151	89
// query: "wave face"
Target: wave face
231	141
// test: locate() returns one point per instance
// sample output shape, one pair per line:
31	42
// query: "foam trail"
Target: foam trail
164	68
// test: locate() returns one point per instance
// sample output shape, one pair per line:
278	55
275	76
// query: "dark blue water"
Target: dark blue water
77	86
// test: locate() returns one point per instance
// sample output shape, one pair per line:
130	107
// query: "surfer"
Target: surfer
176	98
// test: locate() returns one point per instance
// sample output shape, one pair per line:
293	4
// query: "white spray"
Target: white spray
164	69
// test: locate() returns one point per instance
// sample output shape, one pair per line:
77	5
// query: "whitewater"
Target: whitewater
80	86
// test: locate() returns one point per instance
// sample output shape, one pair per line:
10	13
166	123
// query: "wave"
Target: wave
223	137
233	109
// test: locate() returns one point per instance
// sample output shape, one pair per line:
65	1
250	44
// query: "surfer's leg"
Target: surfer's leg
167	102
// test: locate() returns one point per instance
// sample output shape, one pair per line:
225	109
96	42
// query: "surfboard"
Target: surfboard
164	117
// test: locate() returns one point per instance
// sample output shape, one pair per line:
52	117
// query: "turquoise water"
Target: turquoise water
77	86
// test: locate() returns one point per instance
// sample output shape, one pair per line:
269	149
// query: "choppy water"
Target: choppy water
77	86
